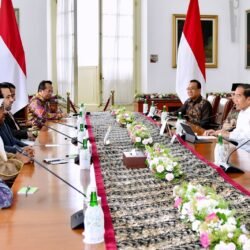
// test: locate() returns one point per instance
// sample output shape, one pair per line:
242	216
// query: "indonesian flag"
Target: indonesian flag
12	58
191	55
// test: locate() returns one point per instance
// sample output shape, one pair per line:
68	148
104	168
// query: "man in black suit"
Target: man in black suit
17	131
5	132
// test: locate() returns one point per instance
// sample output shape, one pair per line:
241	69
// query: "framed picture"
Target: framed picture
17	16
209	25
248	41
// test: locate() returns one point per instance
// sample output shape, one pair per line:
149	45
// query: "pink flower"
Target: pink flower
211	216
204	240
177	202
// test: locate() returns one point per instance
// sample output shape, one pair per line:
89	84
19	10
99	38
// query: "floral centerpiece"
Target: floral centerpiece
117	111
142	96
162	164
139	135
211	218
125	117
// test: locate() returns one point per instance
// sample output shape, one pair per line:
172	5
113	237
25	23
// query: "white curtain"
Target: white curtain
117	50
65	47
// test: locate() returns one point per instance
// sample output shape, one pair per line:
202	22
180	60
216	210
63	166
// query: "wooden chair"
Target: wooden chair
214	101
223	109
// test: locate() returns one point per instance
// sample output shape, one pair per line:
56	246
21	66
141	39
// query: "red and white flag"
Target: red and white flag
12	57
191	55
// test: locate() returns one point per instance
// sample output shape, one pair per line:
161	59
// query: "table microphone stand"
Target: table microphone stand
76	220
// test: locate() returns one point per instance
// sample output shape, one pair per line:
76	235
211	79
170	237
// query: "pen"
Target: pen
71	156
27	190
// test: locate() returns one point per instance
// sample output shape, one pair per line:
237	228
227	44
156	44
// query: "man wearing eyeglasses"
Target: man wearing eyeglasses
3	156
196	109
5	132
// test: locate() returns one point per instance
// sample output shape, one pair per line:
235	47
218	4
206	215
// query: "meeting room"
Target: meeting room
124	124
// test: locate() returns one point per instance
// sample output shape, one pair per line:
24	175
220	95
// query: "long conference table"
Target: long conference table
42	220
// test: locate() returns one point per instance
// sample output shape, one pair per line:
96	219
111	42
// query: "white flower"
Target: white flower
207	204
246	245
169	177
169	167
242	239
138	139
196	225
150	140
145	141
230	235
160	168
175	163
223	246
227	227
231	220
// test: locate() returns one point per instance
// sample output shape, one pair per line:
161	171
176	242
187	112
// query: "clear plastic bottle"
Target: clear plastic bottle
219	151
164	114
145	107
94	221
81	135
152	109
179	129
84	155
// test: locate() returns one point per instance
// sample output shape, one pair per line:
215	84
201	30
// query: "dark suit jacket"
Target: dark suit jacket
9	140
19	134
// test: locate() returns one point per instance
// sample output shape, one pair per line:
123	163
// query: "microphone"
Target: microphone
229	168
235	143
210	117
73	139
67	125
76	220
76	114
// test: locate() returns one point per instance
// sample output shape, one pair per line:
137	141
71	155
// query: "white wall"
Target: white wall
156	38
244	73
161	76
33	31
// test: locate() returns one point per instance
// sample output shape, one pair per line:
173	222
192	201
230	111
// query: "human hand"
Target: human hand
222	132
29	151
209	132
22	158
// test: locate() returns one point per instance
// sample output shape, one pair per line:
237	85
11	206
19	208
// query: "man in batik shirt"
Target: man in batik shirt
196	109
38	110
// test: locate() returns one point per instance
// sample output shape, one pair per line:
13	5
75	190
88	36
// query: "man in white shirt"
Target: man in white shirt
242	131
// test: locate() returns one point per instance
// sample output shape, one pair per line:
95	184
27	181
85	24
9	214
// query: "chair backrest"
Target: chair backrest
223	109
214	101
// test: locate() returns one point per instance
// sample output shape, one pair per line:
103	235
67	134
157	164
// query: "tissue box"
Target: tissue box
134	160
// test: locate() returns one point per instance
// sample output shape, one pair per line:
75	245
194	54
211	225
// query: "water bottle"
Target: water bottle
94	221
219	151
164	114
179	129
145	107
84	155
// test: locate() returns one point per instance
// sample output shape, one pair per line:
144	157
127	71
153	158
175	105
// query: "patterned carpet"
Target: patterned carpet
141	206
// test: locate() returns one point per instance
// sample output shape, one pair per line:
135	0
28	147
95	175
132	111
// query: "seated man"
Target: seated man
196	109
10	142
38	109
17	131
242	131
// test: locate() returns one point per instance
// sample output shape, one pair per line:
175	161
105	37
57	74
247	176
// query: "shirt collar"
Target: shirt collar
197	100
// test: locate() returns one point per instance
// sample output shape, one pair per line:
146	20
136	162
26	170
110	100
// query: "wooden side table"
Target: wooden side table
171	104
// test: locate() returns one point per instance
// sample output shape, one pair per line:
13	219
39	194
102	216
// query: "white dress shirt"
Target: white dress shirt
242	131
